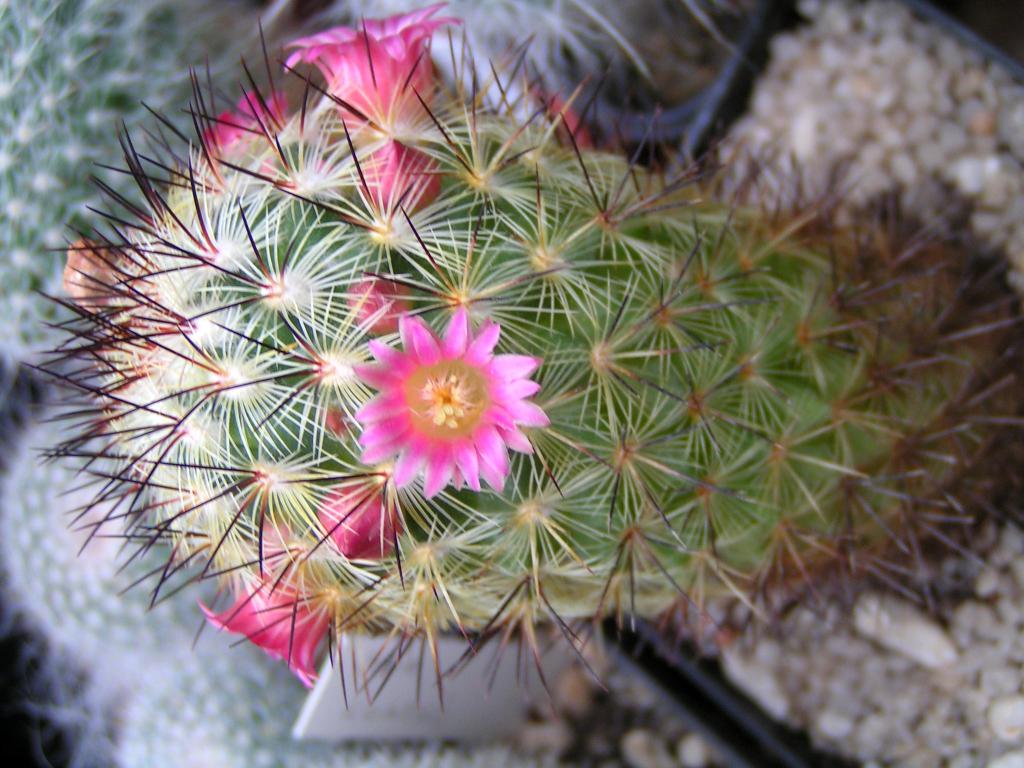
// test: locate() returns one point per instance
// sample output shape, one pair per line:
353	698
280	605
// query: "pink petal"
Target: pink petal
516	390
376	376
492	451
510	367
498	416
516	440
468	464
494	478
252	112
381	407
378	304
393	24
384	354
385	431
407	466
358	523
479	352
384	449
395	173
457	335
439	472
375	67
266	618
528	414
419	339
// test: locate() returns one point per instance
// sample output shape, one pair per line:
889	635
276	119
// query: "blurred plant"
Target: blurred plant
60	560
72	69
666	399
642	53
565	36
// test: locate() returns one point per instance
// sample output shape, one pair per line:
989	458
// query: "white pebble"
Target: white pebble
758	680
803	134
1006	718
552	736
987	583
900	627
641	748
692	751
574	691
834	725
1017	568
1008	760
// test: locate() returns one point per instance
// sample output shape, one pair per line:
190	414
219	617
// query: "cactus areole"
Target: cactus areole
391	355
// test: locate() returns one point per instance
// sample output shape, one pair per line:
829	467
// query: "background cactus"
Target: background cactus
71	69
63	589
728	403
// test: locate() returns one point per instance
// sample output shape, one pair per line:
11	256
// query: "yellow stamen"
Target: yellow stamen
447	399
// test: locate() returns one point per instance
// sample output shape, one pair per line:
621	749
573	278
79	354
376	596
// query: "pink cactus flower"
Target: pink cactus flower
232	127
357	520
397	175
378	304
277	622
448	406
378	68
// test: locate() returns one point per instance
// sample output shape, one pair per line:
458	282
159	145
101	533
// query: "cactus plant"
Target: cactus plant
323	332
72	68
60	563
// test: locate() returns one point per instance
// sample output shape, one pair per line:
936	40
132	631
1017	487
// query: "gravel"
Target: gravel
894	106
612	724
893	683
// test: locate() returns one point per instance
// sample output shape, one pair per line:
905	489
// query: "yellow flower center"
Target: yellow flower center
446	399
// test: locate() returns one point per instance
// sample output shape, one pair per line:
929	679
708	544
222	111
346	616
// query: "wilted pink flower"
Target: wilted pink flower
358	521
379	303
448	406
559	109
278	622
377	68
89	274
335	422
253	110
398	175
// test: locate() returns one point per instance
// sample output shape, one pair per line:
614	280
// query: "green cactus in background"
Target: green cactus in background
71	69
315	347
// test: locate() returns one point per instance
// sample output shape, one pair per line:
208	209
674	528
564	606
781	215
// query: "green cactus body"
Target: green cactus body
736	402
